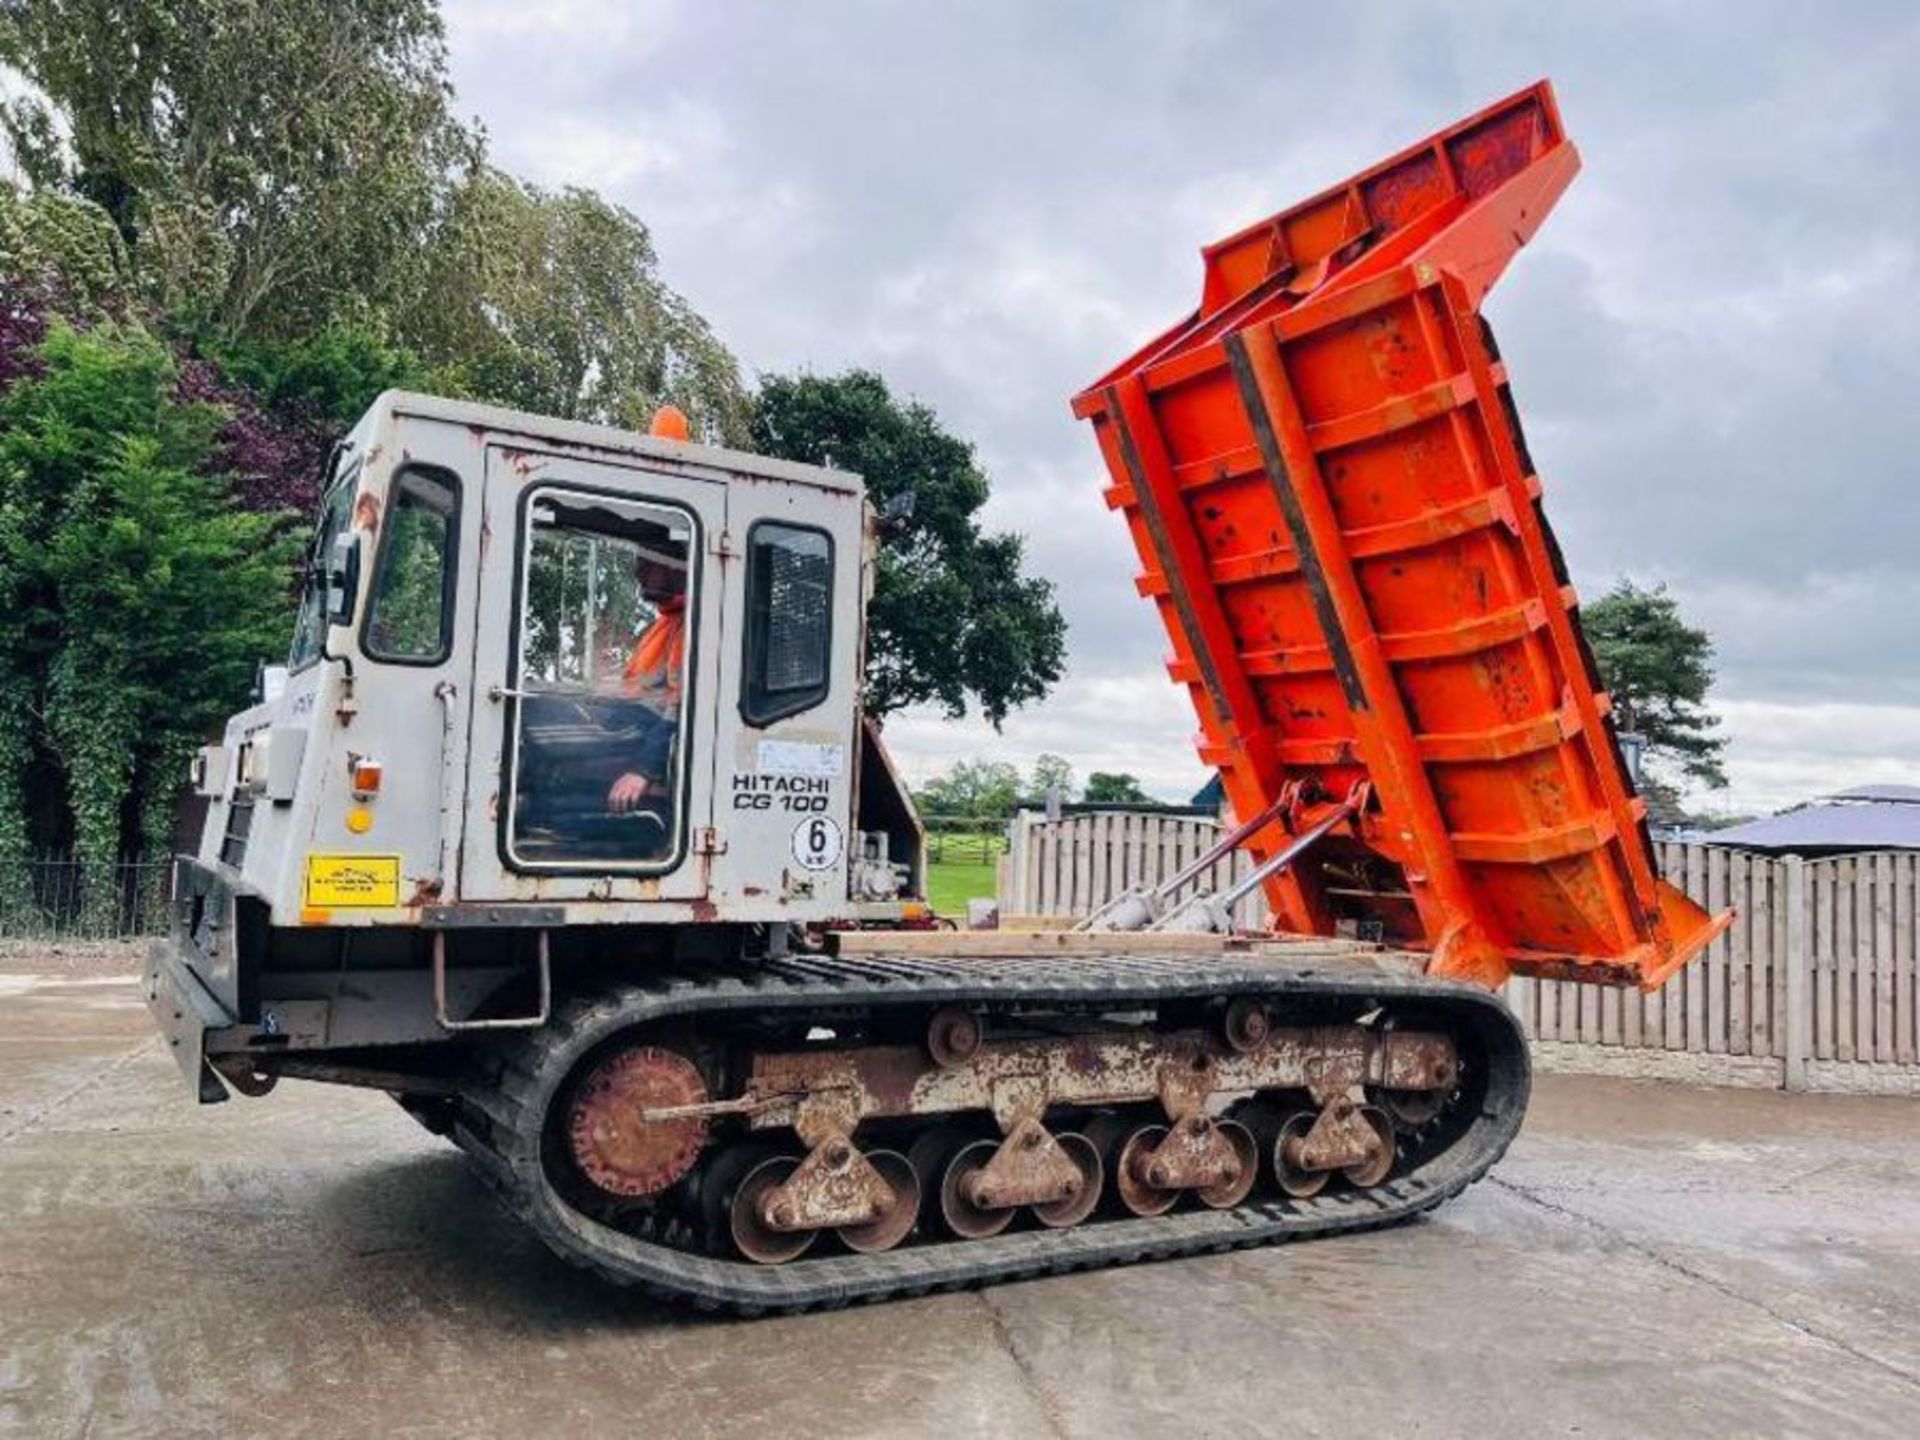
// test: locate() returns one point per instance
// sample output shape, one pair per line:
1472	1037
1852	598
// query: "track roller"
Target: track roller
1298	1181
1218	1160
1075	1208
1365	1174
1130	1183
753	1234
893	1225
962	1213
1357	1141
1238	1184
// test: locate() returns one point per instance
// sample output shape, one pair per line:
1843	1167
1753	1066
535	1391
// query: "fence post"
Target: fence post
1013	867
1799	977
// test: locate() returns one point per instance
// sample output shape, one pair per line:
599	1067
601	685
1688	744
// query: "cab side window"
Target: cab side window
789	641
410	621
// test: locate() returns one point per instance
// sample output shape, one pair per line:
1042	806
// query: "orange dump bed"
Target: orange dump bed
1324	473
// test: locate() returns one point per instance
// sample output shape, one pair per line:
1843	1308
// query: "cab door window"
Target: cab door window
604	649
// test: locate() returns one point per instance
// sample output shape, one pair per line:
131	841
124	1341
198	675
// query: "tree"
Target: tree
63	250
977	789
283	172
1658	669
328	377
1051	773
272	164
552	301
1106	788
954	617
134	597
286	402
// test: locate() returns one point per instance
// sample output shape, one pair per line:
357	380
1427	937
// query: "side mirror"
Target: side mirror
268	682
341	582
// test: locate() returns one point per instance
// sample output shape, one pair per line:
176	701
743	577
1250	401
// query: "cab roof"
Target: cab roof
498	419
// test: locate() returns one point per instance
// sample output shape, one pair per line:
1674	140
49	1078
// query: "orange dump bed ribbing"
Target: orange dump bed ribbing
1324	474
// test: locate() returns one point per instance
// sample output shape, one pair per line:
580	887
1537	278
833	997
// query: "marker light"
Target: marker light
366	778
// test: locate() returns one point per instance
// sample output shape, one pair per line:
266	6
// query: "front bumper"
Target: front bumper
186	1011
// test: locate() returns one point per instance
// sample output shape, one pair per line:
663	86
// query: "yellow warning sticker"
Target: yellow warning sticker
350	882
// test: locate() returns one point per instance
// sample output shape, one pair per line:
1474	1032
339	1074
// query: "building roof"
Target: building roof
1883	794
1868	817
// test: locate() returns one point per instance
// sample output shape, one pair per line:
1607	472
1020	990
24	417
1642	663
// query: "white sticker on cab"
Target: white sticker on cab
797	757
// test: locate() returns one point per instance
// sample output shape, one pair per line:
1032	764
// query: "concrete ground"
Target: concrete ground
1648	1260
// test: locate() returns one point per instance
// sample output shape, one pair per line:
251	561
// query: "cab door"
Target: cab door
595	665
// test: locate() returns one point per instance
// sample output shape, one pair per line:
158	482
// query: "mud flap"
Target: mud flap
184	1010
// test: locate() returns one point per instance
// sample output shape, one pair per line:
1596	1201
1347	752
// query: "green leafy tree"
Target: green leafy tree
552	301
1658	669
976	789
134	599
1107	788
329	377
1052	772
65	248
955	618
272	164
291	188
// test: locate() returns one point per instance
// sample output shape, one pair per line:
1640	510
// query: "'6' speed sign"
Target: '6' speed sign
816	843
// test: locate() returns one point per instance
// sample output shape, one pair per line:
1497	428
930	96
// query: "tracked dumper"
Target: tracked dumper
564	825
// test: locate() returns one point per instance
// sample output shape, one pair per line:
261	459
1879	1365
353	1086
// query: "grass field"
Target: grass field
951	883
961	867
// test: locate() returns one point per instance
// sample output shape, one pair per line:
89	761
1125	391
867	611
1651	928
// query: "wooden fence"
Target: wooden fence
1813	986
1074	866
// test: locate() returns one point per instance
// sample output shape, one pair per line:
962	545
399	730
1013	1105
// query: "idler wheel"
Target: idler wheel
1413	1109
888	1229
964	1218
617	1151
1300	1183
1076	1207
1129	1178
752	1234
1229	1193
1369	1173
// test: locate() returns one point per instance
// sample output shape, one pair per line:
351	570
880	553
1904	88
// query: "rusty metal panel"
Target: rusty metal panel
1324	474
827	1091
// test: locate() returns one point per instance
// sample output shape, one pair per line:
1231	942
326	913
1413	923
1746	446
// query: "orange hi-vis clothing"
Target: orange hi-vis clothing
653	669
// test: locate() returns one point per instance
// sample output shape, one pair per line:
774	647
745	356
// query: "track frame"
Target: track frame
502	1113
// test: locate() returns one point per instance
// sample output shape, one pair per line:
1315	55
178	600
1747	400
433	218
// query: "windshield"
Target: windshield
310	630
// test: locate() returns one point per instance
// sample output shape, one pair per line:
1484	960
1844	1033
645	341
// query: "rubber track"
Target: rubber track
506	1143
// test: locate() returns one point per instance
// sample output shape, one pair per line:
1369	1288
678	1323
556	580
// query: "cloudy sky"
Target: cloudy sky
1715	340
